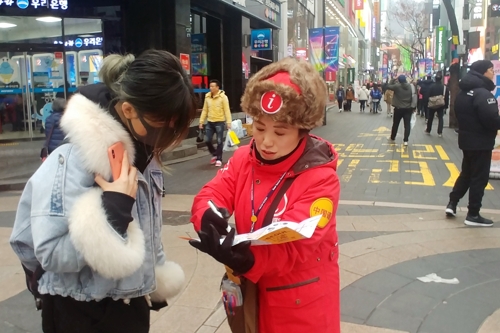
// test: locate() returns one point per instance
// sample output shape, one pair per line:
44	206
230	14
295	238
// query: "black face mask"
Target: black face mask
152	133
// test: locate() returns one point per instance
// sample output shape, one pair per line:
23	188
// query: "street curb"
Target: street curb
17	185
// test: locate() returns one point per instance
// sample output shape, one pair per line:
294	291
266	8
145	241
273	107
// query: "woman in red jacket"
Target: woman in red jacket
298	282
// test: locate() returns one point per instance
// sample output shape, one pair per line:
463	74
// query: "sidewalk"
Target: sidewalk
381	256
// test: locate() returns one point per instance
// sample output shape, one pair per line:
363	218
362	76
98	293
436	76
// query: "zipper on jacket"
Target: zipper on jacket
294	285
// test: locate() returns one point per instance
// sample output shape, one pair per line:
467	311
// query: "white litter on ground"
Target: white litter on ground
433	277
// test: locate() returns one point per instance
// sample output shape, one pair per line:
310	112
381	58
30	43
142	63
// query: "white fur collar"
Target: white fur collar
93	130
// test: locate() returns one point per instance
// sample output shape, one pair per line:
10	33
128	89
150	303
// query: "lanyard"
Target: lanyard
256	213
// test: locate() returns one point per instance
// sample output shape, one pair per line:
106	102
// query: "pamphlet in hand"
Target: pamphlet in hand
280	232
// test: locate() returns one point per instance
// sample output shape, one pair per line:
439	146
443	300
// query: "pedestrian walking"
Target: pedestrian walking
388	95
404	95
296	283
340	94
363	94
218	115
439	97
376	96
90	242
477	112
349	96
425	86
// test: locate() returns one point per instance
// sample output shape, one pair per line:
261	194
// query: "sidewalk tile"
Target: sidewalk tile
217	318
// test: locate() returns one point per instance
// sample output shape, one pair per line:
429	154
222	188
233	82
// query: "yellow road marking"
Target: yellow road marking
427	179
454	173
419	153
442	153
346	177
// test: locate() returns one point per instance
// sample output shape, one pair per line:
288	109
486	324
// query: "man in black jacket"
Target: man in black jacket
425	86
437	89
477	112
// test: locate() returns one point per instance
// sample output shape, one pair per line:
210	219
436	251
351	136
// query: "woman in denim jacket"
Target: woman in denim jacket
98	242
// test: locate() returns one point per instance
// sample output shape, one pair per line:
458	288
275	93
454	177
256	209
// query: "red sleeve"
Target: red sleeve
280	259
220	190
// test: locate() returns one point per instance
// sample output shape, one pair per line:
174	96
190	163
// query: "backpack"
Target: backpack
376	94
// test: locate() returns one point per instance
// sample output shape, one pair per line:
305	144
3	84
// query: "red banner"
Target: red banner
358	4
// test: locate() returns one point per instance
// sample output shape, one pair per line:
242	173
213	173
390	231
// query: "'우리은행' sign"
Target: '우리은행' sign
25	4
261	39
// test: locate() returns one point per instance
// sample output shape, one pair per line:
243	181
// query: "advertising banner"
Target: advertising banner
495	158
199	64
185	62
261	39
332	37
316	48
350	75
421	68
197	43
440	45
358	5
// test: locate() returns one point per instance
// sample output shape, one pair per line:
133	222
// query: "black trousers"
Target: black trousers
349	104
362	104
399	114
66	315
340	101
430	115
473	177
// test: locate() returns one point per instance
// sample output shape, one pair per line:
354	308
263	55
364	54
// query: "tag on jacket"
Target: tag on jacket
491	101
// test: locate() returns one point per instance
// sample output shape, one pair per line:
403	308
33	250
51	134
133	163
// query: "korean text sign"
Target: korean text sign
261	39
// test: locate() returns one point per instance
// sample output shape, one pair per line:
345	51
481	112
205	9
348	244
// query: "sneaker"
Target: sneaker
456	131
477	221
213	160
405	143
440	135
451	209
218	164
428	133
391	140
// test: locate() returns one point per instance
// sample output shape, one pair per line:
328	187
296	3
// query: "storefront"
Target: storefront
348	47
301	18
230	41
47	49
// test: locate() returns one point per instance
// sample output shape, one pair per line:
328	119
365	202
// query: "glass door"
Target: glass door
30	79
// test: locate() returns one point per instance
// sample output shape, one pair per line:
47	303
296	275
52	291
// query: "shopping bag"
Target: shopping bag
237	127
413	120
233	137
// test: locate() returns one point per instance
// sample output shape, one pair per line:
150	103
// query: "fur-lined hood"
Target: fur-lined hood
93	130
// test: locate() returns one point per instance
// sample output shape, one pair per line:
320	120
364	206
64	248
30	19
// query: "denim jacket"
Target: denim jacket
62	225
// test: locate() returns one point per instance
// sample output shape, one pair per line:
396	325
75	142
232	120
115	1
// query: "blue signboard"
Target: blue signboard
262	39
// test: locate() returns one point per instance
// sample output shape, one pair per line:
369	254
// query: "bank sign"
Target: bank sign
261	39
26	4
440	45
266	10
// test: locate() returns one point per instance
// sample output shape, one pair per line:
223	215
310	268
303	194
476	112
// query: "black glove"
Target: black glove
239	257
210	218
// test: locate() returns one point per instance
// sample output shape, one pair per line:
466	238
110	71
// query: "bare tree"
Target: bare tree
410	15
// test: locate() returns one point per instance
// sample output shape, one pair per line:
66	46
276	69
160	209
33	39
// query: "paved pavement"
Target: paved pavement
392	230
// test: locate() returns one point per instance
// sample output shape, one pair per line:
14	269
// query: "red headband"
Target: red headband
284	78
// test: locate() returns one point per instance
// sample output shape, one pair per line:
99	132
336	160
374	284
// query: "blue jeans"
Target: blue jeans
218	129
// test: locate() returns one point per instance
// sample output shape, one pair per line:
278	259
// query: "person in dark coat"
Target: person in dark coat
53	131
340	95
437	89
477	112
425	86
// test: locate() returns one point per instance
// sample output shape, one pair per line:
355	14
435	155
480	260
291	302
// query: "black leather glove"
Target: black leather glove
210	218
239	257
